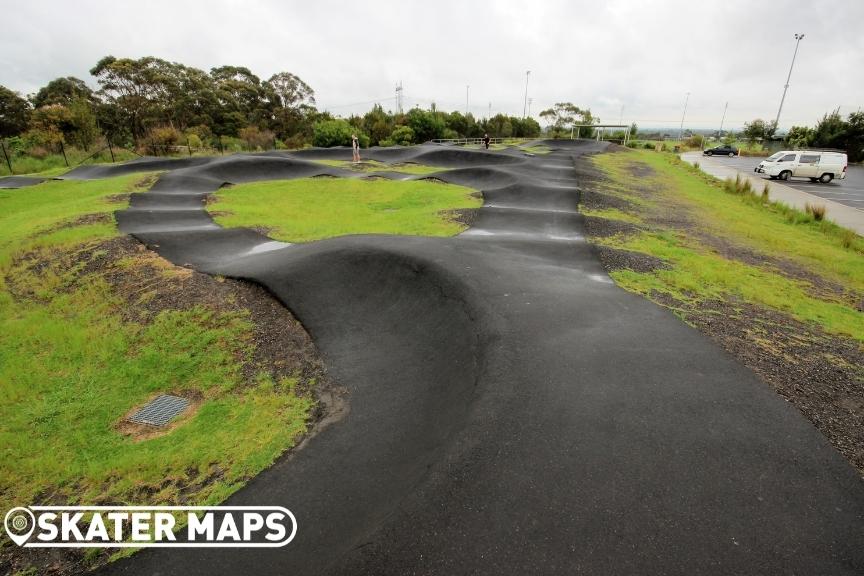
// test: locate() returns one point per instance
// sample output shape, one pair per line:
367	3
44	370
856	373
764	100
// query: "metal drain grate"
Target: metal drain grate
160	411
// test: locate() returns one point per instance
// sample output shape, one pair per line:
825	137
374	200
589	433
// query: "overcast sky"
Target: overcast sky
643	55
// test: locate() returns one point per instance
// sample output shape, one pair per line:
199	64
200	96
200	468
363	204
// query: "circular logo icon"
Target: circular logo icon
19	523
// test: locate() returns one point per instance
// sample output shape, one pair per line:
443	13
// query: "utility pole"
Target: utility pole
681	130
798	38
722	120
466	99
525	106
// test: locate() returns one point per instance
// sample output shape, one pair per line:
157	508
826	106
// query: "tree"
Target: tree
427	125
834	132
242	99
759	130
85	130
14	113
62	91
564	115
378	124
133	86
292	97
799	136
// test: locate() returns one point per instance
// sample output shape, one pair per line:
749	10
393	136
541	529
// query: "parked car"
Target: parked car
817	165
723	150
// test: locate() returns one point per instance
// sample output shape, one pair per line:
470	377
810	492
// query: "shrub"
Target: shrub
694	141
815	210
332	133
296	142
256	139
403	135
194	141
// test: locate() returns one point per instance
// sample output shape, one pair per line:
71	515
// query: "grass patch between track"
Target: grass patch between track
375	166
73	362
310	209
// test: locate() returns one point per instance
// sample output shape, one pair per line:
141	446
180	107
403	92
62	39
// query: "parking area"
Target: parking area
849	192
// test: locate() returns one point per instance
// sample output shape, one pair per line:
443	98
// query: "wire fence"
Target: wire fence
18	156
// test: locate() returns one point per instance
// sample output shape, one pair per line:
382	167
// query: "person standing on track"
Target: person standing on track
486	140
355	148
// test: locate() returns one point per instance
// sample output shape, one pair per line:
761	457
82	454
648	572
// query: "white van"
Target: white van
817	165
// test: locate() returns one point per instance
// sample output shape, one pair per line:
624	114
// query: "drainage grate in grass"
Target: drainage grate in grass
160	411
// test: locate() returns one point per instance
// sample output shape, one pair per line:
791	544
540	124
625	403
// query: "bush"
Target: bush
329	133
403	135
296	142
194	141
256	139
694	141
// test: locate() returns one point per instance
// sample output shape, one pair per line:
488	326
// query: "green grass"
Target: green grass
375	166
698	272
72	365
314	208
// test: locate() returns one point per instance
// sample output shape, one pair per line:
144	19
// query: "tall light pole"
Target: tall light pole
722	120
530	100
798	38
683	114
466	99
525	106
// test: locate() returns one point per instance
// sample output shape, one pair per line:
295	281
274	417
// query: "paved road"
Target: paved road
511	410
849	191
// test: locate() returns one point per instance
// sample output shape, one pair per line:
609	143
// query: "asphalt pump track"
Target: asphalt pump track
509	409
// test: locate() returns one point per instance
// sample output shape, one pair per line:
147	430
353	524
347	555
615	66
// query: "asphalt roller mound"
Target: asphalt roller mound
509	409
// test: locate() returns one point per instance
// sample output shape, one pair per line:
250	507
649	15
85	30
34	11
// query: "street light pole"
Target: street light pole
798	38
683	114
466	99
525	105
722	120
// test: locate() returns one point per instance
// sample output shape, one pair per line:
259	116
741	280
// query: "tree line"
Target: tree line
149	103
832	131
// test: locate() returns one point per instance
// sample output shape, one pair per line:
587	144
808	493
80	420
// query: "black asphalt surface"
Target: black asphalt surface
510	410
849	191
19	181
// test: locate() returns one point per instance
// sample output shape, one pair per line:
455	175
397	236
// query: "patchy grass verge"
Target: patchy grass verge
337	207
782	289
